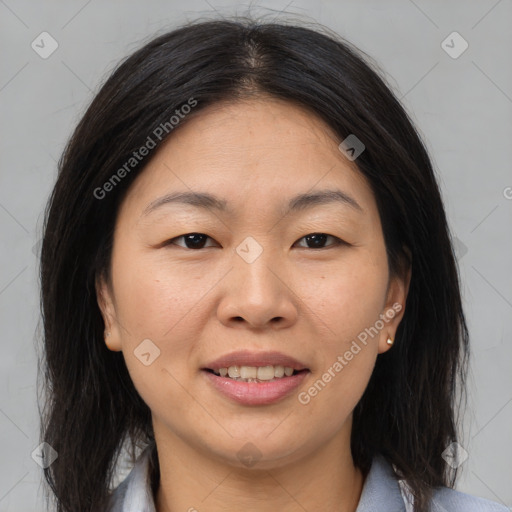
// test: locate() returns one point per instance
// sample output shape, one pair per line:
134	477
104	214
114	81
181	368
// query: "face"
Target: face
290	281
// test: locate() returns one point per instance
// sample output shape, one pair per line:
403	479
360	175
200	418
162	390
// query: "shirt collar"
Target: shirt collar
381	490
380	487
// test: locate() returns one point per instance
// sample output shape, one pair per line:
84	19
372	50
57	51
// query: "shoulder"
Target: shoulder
134	493
383	486
450	500
445	499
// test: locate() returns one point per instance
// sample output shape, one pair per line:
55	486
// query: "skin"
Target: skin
199	304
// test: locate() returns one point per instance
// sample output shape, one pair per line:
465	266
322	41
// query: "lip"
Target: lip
255	393
248	358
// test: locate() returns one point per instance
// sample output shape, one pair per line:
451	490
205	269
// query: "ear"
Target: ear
104	296
394	308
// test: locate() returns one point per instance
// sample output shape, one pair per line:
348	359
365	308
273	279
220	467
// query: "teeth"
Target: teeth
249	372
255	373
266	373
278	371
234	371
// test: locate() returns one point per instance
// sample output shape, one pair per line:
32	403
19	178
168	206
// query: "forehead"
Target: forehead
259	129
259	151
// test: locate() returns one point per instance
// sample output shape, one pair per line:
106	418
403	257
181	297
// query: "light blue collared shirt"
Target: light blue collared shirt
382	492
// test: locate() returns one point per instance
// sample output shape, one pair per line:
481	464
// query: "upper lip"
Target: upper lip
248	358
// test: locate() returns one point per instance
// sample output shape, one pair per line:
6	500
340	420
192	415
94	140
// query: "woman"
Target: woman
247	276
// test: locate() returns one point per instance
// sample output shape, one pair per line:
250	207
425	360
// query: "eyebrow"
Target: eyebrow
297	203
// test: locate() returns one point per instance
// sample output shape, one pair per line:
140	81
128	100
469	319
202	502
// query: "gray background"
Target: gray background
462	107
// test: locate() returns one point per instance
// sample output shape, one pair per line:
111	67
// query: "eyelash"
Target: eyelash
338	241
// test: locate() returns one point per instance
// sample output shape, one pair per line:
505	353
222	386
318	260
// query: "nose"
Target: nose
258	295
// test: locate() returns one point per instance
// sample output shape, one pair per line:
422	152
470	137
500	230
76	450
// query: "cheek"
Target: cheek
157	303
155	307
348	296
156	297
349	300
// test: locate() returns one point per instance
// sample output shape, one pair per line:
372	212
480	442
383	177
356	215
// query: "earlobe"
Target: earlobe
386	342
114	347
106	306
394	309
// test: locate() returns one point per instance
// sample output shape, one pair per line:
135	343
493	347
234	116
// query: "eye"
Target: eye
197	241
192	240
317	240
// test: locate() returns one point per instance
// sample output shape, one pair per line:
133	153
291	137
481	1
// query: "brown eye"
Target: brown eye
191	240
317	240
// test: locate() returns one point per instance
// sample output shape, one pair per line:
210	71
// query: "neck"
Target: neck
193	481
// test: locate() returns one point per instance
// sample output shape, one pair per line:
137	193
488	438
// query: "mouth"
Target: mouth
259	374
252	378
247	366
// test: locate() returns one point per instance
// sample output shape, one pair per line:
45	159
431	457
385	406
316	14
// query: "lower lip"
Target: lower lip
256	393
